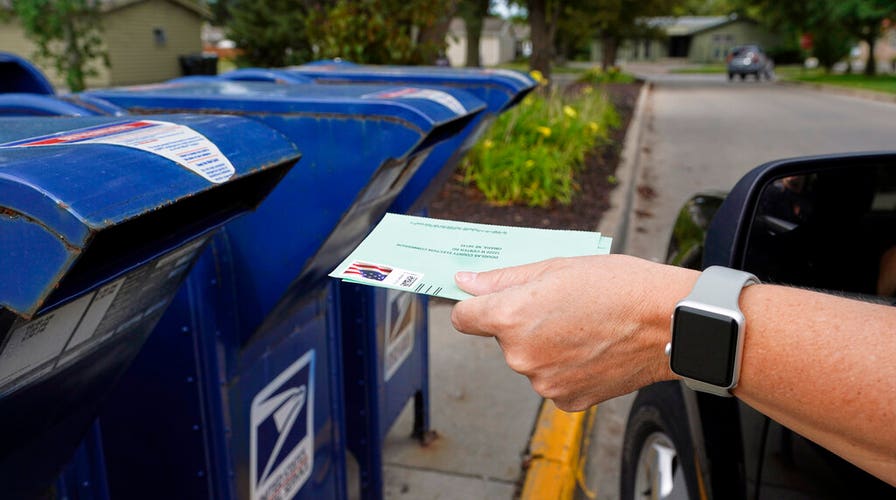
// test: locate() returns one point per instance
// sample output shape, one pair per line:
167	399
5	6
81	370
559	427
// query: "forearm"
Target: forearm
825	367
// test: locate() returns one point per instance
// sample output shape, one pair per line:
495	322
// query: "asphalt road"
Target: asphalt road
701	132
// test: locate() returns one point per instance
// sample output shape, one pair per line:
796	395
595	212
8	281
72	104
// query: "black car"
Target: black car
821	222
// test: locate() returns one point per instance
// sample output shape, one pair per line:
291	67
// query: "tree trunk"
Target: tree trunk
74	71
437	33
474	13
540	32
608	55
474	35
871	62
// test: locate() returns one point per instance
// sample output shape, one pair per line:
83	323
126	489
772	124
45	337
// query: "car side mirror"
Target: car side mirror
826	222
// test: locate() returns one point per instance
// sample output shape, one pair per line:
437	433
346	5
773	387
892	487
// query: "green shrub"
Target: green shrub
531	153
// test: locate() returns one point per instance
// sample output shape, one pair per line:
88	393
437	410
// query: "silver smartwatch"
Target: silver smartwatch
708	331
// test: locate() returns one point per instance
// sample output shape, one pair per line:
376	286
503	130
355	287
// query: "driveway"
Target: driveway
700	132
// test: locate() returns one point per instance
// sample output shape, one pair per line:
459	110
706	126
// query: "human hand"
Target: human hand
583	330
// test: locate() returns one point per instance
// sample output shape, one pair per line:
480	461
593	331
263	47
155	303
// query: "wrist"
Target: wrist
673	284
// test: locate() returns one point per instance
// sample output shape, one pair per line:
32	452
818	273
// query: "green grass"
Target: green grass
879	83
704	69
524	67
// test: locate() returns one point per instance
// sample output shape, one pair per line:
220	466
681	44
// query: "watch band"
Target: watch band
720	288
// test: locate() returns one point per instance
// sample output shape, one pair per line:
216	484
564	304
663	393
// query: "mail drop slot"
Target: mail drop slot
100	221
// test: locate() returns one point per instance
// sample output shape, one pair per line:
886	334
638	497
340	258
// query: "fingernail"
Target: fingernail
464	276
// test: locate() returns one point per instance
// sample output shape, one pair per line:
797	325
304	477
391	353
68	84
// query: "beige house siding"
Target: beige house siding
713	44
14	41
134	54
497	44
128	32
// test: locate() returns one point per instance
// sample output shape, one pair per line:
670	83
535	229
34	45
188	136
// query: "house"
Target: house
143	38
499	43
699	39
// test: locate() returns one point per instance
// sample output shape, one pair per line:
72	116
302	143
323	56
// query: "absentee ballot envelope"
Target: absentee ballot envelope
421	255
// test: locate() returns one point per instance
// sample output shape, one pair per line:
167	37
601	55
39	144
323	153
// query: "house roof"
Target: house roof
689	25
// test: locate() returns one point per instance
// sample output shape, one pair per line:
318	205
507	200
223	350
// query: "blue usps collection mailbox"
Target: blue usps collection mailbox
100	221
386	354
255	335
394	324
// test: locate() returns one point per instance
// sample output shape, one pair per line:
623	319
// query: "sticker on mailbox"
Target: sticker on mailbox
282	433
401	318
178	143
124	306
443	98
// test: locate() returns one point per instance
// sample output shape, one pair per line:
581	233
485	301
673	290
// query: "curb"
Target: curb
615	221
556	462
555	451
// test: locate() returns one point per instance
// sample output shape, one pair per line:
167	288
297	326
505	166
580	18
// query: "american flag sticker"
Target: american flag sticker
367	272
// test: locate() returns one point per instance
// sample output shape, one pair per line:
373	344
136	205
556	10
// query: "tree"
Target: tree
473	12
833	24
620	20
270	32
378	31
864	19
67	35
543	15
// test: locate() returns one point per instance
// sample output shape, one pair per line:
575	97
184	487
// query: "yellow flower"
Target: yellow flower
528	100
593	127
536	75
488	144
545	131
569	111
529	163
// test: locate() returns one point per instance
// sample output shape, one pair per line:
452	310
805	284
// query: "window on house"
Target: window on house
160	37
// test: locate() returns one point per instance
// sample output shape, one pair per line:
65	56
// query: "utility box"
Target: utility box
100	221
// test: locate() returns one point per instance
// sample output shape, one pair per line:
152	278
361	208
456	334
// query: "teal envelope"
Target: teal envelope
421	255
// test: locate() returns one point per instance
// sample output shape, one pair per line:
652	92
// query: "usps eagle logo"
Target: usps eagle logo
282	434
368	271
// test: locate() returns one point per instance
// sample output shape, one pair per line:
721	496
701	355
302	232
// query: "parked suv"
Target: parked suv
822	223
749	60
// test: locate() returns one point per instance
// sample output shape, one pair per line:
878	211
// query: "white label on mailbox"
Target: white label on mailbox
40	341
91	319
401	312
63	335
443	98
282	434
178	143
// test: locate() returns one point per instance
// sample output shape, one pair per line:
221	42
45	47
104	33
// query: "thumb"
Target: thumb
487	282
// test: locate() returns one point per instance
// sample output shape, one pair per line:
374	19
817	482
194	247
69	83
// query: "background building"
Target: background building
143	38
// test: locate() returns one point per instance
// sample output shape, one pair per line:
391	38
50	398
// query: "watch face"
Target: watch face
703	345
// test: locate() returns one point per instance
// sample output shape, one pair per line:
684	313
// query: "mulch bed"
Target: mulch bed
459	202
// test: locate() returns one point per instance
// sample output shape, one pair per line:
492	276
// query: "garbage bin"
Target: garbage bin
204	63
100	220
267	335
